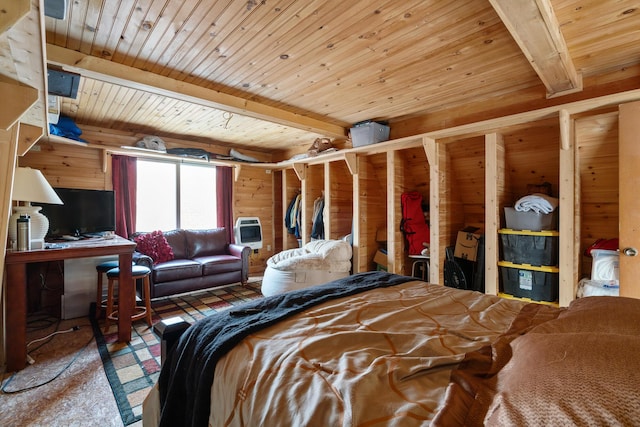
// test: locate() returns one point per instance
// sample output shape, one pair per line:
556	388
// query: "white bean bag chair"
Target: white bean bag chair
317	262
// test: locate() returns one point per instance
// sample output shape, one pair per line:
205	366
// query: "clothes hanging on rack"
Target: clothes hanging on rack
317	227
293	216
287	216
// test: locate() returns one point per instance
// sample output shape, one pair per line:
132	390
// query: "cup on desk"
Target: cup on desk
108	235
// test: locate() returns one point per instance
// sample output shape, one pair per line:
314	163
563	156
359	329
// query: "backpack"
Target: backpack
413	225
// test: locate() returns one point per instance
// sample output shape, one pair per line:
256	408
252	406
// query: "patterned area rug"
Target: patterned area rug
133	368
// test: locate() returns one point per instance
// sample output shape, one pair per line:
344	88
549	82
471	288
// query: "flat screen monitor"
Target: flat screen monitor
84	212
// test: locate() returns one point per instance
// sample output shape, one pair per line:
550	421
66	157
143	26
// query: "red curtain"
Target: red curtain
124	185
224	194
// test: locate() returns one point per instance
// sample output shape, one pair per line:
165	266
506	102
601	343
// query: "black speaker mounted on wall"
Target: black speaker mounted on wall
63	83
56	8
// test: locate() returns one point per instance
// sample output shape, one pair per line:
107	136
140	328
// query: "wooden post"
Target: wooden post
431	150
8	150
494	180
569	236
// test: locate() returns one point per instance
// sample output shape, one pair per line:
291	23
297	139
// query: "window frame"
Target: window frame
177	164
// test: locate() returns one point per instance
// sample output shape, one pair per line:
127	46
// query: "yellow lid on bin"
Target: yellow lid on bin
544	268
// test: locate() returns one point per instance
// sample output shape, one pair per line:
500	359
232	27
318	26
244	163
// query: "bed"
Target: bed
378	349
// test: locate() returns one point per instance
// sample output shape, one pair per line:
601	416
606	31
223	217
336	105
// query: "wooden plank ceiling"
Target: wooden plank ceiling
273	75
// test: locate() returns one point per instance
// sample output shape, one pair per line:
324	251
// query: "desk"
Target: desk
16	292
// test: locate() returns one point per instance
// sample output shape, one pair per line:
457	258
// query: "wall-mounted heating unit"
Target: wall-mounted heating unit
248	232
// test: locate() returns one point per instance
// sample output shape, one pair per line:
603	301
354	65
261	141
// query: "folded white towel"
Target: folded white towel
537	202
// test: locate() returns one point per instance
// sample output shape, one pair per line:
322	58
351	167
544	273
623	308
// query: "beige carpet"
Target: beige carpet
67	385
79	396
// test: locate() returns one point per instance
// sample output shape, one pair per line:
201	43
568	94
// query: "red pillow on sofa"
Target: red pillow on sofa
155	246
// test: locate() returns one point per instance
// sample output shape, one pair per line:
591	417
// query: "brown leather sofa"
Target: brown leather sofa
202	259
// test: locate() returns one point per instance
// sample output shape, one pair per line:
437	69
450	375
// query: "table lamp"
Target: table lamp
30	185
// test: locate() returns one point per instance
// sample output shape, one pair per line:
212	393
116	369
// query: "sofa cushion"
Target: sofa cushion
206	242
178	243
176	269
155	246
216	264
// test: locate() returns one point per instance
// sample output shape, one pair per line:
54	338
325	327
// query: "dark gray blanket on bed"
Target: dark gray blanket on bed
187	374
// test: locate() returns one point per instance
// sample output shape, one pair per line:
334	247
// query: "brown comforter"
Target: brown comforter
380	358
578	367
416	354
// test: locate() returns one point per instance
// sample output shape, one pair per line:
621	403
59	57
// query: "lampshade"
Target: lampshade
30	185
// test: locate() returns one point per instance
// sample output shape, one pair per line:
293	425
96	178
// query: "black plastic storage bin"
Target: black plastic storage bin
530	247
538	284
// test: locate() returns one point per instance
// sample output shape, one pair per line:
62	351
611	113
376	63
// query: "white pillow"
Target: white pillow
337	250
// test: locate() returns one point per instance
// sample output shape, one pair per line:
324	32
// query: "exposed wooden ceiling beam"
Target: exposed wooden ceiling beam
108	71
534	27
22	98
12	12
28	136
22	67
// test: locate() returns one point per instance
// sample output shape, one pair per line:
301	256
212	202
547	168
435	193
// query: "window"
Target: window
174	195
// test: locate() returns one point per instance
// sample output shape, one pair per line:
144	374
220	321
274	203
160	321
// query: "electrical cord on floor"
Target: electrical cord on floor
3	389
52	334
46	339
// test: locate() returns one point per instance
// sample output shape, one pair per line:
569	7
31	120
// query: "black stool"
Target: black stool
102	268
139	312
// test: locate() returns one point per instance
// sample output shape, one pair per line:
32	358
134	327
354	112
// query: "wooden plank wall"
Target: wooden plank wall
396	185
339	200
597	146
372	200
312	189
504	189
416	170
253	196
414	176
291	186
452	209
70	166
467	165
533	156
77	166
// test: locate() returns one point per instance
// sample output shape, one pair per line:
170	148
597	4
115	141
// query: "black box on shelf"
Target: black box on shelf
530	248
536	285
